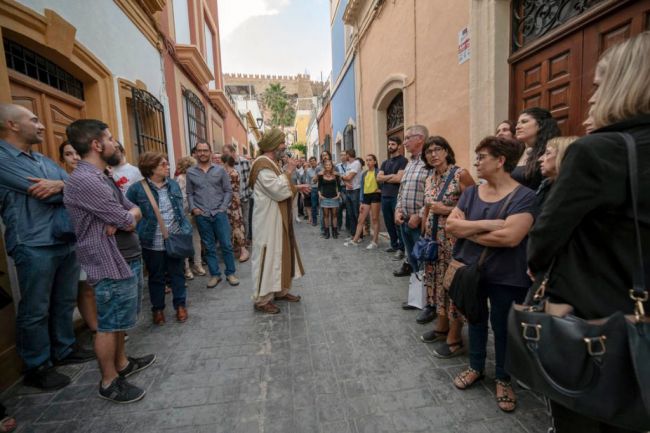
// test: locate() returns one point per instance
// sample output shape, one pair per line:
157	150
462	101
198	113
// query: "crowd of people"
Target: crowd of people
540	197
82	236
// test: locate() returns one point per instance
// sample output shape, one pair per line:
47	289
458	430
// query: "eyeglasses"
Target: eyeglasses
432	150
481	156
408	137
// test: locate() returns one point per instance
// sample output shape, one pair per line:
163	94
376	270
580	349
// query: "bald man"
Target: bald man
40	240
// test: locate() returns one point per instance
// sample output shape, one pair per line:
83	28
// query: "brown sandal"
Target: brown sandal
463	380
288	297
269	308
504	401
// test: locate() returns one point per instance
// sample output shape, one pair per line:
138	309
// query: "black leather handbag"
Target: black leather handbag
177	245
463	280
426	248
597	368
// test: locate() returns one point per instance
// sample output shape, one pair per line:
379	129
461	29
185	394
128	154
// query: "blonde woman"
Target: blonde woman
550	163
585	226
181	177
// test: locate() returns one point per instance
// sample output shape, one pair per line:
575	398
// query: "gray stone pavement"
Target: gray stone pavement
347	359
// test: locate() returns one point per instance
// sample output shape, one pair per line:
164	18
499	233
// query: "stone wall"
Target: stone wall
300	85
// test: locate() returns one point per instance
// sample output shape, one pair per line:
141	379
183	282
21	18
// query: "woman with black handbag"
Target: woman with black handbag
587	229
160	199
491	222
441	193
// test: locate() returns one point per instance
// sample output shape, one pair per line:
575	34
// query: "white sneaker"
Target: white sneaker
372	246
348	239
352	243
298	220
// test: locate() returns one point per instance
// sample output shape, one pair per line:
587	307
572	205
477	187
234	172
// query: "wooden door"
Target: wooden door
55	109
559	75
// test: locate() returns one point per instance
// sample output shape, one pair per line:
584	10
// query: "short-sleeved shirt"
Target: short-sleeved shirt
505	266
126	175
311	173
354	166
392	166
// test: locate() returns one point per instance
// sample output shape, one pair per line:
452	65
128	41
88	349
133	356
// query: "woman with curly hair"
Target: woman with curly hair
234	210
534	128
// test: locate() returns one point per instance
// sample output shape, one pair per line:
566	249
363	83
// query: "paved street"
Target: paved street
345	359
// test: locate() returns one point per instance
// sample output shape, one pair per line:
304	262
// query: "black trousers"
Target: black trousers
567	421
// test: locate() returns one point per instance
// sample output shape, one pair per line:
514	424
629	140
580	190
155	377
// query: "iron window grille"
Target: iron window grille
35	66
348	137
149	114
532	19
395	114
196	123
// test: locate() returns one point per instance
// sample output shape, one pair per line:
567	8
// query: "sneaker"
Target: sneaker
212	282
232	280
137	364
352	243
79	355
390	250
399	255
372	246
121	391
298	220
349	238
45	378
198	270
188	274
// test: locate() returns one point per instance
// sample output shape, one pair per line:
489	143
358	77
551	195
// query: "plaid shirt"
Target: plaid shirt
92	206
243	167
410	198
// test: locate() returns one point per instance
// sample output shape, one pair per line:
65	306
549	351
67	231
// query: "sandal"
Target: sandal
8	424
504	401
468	378
433	336
444	351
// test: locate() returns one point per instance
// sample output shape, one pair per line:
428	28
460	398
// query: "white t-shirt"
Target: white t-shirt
354	166
130	173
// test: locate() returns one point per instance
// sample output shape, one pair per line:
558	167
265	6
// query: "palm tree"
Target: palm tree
275	98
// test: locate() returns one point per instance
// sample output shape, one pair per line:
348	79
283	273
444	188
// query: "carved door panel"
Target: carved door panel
611	30
551	79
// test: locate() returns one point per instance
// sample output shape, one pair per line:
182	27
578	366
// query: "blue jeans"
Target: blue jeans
501	298
388	205
49	279
212	229
314	205
158	263
352	208
410	237
119	301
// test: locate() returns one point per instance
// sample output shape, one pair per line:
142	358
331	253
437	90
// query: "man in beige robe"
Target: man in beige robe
275	260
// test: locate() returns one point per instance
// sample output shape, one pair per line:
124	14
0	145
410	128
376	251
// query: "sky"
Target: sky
285	37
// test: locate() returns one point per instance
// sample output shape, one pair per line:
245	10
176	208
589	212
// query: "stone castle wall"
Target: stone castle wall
300	84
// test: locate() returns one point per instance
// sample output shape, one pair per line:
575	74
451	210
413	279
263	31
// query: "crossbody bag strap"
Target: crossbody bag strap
638	293
156	210
441	194
487	251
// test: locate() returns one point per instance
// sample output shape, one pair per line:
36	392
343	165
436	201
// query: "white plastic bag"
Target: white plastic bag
417	292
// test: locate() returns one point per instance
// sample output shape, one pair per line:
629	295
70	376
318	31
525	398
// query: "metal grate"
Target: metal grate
532	19
149	116
395	113
27	62
195	119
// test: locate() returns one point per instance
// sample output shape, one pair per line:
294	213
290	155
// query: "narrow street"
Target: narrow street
345	359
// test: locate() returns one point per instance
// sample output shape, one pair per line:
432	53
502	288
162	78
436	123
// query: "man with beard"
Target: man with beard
276	260
38	237
209	193
109	252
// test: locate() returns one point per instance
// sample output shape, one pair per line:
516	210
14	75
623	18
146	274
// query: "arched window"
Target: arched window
395	116
348	137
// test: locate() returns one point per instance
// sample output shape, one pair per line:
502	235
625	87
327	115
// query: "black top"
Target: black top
392	166
127	242
506	266
587	224
329	188
519	174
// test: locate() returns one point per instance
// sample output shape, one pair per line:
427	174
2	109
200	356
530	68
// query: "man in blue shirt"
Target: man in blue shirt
40	240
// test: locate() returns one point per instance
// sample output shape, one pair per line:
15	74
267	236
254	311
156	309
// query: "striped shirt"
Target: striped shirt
92	206
410	198
167	213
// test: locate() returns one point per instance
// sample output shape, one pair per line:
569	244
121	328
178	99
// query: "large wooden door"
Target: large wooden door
558	75
55	109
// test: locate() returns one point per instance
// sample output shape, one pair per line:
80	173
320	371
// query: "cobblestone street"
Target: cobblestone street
345	359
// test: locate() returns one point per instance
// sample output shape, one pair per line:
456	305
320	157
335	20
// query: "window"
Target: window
348	137
149	117
182	21
209	53
27	62
195	119
395	116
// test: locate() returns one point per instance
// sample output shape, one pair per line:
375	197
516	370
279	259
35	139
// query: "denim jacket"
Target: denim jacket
149	223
